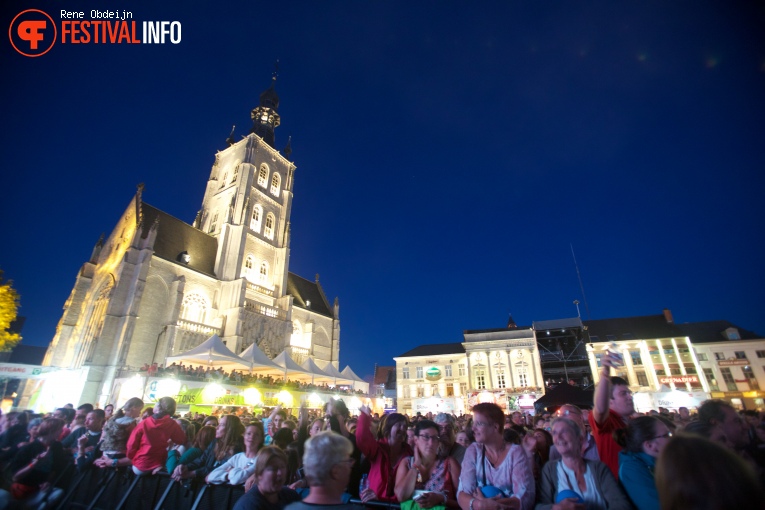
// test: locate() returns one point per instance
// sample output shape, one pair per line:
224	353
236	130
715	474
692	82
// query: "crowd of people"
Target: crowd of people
607	457
239	377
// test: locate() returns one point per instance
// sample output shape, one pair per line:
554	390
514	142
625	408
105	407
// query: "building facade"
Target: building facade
497	365
158	286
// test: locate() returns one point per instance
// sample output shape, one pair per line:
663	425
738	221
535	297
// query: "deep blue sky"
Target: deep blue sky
448	154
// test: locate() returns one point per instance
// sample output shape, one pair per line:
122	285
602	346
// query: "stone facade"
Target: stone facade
158	286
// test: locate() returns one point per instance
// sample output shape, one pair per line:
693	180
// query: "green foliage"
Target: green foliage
9	307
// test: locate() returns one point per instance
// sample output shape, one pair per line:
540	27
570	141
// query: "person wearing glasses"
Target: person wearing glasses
574	483
327	462
643	440
495	475
427	477
573	413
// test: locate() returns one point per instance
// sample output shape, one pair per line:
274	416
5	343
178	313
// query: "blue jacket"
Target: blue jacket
636	476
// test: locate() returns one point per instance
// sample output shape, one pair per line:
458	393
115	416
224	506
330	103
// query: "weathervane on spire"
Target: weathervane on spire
276	70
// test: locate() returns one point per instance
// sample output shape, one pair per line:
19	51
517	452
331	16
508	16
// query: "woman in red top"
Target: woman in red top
384	452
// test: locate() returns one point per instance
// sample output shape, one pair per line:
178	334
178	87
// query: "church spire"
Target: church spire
265	117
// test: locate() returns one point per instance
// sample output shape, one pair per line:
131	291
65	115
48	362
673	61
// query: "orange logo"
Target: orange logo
32	33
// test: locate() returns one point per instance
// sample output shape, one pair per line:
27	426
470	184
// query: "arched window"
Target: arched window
214	223
249	263
263	275
275	181
263	175
269	230
224	179
257	215
193	308
236	172
297	339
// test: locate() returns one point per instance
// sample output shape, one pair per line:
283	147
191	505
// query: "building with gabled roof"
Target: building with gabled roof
158	286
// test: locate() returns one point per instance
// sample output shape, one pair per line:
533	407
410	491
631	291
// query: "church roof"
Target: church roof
632	328
435	349
175	236
304	291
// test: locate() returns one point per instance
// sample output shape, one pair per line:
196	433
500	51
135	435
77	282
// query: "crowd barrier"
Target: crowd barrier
121	489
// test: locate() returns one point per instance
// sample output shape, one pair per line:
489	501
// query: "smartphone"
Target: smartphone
614	349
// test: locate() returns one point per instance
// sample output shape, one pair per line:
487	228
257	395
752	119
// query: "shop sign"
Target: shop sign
733	362
433	405
677	379
433	374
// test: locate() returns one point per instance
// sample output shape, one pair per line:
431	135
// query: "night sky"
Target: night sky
449	155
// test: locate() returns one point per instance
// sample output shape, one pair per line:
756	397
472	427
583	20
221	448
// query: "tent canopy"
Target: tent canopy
349	373
290	368
339	378
212	353
318	374
259	361
565	394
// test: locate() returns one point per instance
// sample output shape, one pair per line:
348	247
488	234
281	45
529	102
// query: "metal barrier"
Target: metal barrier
121	489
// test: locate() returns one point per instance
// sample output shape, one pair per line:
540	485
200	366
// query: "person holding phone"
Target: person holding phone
613	407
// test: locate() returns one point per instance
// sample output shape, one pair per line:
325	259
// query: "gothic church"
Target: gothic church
158	286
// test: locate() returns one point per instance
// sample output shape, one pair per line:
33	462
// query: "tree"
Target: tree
9	307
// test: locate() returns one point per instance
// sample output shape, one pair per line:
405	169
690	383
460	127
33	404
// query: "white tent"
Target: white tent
339	378
290	368
212	353
318	375
358	382
259	362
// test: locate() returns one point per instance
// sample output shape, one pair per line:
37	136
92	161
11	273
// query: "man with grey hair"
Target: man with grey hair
327	464
447	433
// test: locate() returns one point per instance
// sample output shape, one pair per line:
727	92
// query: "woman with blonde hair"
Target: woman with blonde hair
116	432
227	443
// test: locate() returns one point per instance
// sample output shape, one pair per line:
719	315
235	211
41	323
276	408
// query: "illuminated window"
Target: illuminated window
419	372
420	391
753	384
711	379
298	339
729	380
193	308
275	181
500	378
448	370
450	390
407	392
269	230
523	377
257	214
480	379
463	388
249	262
405	373
461	369
263	277
263	175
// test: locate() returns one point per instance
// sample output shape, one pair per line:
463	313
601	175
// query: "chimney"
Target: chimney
668	316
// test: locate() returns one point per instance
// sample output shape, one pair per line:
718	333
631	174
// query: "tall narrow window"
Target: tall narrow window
500	378
448	370
275	181
463	388
263	175
263	272
729	380
248	264
193	308
711	379
236	173
749	374
257	215
419	372
461	369
405	373
269	230
224	179
480	379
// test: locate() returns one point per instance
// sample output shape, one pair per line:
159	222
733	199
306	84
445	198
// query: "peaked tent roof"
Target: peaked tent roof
212	352
260	362
289	367
334	373
317	372
351	374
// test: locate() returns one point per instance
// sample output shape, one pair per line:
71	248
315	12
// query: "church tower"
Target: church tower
158	286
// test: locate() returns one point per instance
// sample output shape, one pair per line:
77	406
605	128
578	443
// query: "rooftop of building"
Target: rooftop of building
715	331
308	295
435	350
